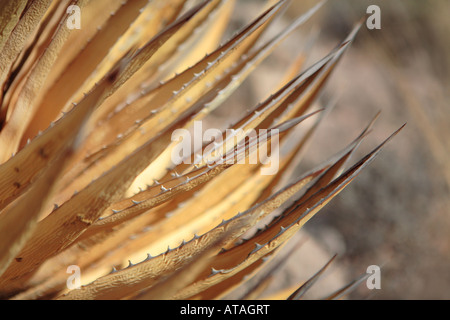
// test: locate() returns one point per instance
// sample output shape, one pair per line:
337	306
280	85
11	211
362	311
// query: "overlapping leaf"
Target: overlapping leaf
133	87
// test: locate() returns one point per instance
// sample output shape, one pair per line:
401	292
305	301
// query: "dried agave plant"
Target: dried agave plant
87	117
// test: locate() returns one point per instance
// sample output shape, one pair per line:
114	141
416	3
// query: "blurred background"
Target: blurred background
395	214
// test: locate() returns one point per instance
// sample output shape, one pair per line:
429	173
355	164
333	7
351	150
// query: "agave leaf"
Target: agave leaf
339	294
130	65
163	268
176	106
154	17
183	221
193	218
167	52
81	67
193	79
291	158
18	172
264	268
34	48
300	292
262	243
289	96
19	35
61	228
93	17
167	287
25	105
10	12
18	221
117	285
205	39
224	287
119	137
220	91
145	200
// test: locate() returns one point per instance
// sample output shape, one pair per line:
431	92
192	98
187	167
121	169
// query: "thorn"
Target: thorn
114	270
258	246
132	237
169	214
214	272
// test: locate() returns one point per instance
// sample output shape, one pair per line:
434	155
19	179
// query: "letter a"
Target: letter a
74	20
74	281
374	280
374	21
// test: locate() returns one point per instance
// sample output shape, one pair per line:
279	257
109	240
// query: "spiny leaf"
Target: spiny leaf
25	105
112	286
18	172
300	292
177	104
18	222
83	209
16	41
78	70
165	261
10	12
294	218
339	294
